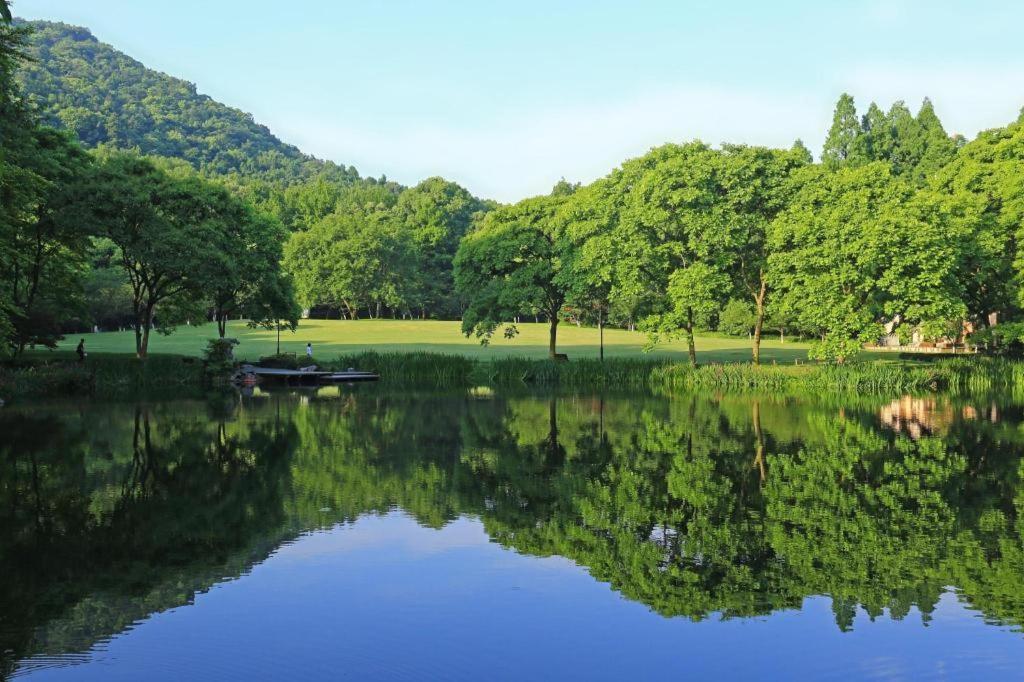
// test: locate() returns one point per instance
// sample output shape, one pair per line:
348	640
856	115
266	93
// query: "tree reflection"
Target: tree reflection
697	506
99	528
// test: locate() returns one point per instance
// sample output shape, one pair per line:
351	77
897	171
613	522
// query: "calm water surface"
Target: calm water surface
372	535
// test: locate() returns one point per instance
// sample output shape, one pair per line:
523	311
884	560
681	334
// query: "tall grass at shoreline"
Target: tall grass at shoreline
100	374
449	371
126	375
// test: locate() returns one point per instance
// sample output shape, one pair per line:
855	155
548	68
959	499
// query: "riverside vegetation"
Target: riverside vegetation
125	375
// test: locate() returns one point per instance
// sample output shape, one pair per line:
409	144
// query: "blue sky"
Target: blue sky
507	97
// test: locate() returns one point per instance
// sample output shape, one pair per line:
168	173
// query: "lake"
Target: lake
366	534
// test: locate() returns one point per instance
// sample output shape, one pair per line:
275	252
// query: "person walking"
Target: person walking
309	351
81	351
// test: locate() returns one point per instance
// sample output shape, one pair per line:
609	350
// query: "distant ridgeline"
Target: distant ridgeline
104	96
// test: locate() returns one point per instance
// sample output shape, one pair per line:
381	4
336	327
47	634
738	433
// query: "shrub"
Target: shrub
737	318
219	356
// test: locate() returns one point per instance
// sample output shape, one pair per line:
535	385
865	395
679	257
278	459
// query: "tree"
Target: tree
754	185
164	228
588	269
939	148
694	295
47	244
855	249
846	143
879	134
274	306
435	214
509	266
982	190
351	261
42	245
916	147
673	220
244	264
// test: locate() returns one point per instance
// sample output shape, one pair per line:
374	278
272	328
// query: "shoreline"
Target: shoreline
123	375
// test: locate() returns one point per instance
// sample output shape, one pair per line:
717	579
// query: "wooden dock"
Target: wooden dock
311	375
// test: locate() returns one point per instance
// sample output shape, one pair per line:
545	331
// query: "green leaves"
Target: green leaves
510	265
857	249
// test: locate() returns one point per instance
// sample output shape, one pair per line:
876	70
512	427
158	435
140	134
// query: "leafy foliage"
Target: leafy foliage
855	250
510	266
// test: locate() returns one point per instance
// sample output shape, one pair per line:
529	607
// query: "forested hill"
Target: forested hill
104	96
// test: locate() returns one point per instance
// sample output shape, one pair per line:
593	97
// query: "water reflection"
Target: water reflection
693	505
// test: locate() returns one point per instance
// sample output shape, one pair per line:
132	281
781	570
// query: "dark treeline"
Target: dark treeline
901	231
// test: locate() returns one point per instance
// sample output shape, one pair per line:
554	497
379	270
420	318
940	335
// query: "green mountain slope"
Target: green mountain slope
106	97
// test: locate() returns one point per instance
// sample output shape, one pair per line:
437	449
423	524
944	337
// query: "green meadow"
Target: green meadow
331	338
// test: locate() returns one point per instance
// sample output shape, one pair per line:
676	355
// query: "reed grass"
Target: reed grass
125	375
100	374
412	369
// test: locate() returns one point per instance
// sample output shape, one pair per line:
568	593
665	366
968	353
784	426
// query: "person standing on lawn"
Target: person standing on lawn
81	350
309	351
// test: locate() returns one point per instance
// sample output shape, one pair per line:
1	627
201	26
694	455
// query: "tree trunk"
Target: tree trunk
142	348
140	324
600	332
691	345
553	338
222	324
759	321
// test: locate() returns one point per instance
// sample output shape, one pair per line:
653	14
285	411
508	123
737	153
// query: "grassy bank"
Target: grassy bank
124	375
55	374
976	374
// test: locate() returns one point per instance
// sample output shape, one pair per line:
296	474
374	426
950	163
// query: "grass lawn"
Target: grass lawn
333	337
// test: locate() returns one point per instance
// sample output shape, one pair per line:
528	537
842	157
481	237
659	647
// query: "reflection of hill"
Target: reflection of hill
692	506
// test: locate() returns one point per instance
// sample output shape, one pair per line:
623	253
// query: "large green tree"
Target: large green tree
436	214
352	261
856	250
983	190
674	229
754	185
509	267
243	264
42	245
166	229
